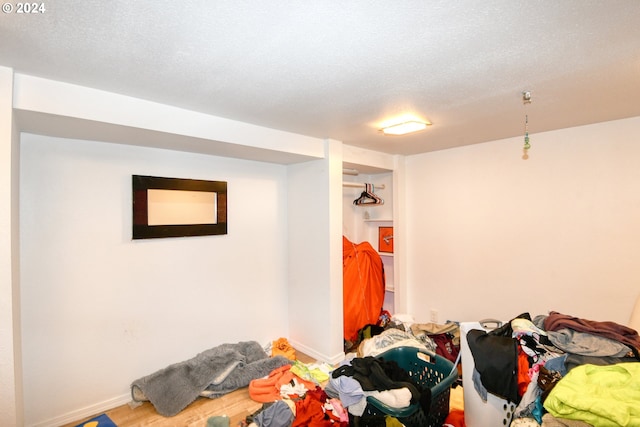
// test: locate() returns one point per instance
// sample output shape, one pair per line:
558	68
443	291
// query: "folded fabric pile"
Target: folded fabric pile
598	395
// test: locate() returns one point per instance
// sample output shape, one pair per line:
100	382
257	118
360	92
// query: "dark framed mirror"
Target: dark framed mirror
176	207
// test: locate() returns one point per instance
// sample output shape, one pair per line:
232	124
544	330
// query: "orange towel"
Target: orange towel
266	390
281	347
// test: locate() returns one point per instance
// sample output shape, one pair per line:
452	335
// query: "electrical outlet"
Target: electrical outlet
434	315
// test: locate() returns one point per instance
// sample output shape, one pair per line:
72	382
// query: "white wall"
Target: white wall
493	235
100	310
10	356
315	255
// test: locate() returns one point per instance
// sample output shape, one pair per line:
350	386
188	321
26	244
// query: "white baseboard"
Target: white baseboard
79	414
332	360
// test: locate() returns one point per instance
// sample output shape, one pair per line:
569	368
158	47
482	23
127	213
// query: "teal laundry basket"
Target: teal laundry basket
428	371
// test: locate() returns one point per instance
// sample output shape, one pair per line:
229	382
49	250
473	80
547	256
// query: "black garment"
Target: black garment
496	360
379	374
495	354
376	375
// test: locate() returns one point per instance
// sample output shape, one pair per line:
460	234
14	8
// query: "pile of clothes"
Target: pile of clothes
292	395
558	367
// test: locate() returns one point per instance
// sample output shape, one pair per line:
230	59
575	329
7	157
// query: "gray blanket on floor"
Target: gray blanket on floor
214	372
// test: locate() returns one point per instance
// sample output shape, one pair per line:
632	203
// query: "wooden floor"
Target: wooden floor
237	405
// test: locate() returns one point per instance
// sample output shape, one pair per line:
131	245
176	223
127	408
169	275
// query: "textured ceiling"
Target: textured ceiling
338	69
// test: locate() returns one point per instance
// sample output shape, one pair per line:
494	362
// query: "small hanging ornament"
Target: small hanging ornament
526	133
526	99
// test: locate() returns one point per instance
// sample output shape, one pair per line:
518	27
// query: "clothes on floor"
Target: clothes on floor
574	369
315	409
281	347
212	373
612	330
270	389
277	414
350	393
599	395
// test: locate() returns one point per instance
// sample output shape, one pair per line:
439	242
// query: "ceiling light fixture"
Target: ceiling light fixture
405	127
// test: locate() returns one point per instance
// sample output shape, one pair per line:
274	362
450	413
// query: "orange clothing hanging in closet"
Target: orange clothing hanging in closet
363	287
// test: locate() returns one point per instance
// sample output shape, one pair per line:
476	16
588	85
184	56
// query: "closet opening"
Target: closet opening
368	251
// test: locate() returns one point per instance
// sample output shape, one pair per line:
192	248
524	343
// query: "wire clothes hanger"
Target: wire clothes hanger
368	197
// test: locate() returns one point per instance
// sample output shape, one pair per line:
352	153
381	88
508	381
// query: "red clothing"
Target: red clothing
310	413
455	419
523	372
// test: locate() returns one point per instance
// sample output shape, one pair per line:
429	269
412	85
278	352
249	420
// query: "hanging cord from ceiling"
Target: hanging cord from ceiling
526	99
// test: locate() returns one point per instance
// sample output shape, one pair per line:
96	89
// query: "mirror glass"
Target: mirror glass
176	207
172	207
